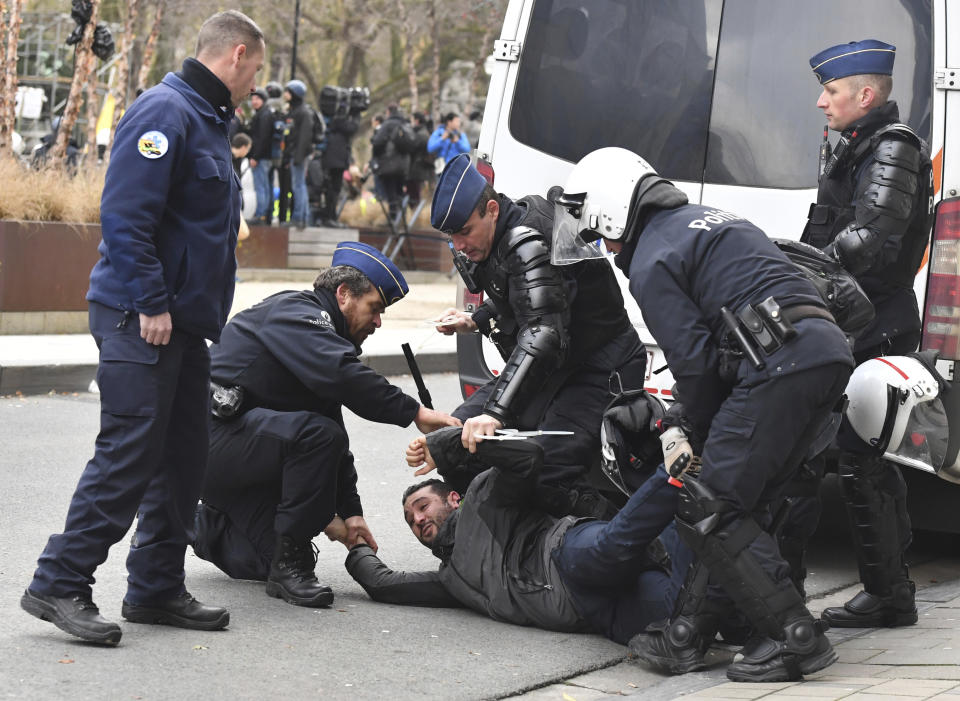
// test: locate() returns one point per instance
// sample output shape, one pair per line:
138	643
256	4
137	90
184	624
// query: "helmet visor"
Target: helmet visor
568	246
923	445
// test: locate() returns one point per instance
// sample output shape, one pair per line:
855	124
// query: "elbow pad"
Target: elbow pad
855	248
539	352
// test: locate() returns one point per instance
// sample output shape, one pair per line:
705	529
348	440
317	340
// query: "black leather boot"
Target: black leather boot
292	577
867	610
182	611
803	649
77	615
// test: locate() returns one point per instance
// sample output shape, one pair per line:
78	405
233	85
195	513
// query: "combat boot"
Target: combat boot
678	645
867	610
292	577
803	648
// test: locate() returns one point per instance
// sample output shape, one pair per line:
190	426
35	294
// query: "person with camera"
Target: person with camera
447	141
169	197
280	467
341	127
261	132
392	144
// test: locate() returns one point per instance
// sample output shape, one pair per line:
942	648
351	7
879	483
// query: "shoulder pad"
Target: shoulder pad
896	152
517	235
526	248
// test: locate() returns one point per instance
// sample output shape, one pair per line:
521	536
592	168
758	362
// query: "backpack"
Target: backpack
405	139
277	136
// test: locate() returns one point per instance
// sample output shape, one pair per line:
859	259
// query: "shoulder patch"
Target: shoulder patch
152	144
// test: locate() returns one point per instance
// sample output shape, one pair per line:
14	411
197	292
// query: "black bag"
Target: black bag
405	139
319	128
840	291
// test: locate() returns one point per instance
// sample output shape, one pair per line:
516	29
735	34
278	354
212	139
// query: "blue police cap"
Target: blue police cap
855	58
456	196
378	269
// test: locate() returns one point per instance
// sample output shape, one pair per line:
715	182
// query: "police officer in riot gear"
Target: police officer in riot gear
873	215
760	366
280	468
559	342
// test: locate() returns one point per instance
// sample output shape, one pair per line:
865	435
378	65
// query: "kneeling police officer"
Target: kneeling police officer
759	364
280	468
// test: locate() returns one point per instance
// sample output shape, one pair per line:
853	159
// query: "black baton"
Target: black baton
748	350
417	377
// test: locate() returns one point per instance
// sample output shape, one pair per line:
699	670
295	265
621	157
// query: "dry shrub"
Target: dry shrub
49	194
365	211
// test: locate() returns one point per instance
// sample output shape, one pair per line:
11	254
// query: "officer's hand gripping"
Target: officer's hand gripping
678	456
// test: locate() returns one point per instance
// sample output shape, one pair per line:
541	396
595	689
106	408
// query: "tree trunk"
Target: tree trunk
9	23
485	49
84	60
406	29
123	63
435	78
150	46
90	149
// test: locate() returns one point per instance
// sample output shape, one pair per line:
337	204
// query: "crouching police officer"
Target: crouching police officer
280	467
759	365
873	215
560	345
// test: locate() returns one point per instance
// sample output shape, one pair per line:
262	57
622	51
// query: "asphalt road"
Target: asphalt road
357	649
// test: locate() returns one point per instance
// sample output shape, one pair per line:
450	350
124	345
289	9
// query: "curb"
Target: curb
44	379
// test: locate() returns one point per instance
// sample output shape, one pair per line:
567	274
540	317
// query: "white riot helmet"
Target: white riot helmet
595	203
895	407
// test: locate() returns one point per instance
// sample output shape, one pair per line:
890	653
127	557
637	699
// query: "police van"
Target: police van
719	97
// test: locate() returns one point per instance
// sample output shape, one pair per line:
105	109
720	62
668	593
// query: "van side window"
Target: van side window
635	74
765	128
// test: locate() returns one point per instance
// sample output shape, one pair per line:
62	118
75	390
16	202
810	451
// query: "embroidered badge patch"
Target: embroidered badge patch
152	144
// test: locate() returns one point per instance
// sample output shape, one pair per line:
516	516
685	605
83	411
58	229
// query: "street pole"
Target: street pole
293	53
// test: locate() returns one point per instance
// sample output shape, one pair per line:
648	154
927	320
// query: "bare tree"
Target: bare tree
84	61
150	46
408	32
435	72
360	28
123	63
490	25
10	27
91	102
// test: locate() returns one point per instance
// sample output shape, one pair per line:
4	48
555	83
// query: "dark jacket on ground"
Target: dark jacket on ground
506	572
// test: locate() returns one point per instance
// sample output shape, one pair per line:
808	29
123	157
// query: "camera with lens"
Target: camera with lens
335	100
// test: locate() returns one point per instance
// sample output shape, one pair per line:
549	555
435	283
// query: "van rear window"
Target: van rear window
709	90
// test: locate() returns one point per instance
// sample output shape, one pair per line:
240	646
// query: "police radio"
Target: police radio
465	268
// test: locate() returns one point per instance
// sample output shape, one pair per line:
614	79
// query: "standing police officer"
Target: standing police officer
170	213
759	365
280	464
873	215
561	331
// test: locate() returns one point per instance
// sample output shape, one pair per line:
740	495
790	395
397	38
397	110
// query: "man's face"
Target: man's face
425	511
454	124
361	313
240	151
256	103
241	76
840	104
475	239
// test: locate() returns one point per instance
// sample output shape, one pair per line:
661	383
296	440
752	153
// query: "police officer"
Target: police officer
561	330
170	213
759	365
872	214
280	465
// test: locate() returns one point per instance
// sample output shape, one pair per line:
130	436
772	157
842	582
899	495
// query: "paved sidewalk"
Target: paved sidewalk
895	664
38	364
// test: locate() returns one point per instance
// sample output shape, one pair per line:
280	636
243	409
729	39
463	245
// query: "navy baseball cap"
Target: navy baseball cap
855	58
378	269
457	194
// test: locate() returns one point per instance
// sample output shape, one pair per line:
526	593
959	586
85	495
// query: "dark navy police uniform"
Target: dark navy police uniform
170	214
283	466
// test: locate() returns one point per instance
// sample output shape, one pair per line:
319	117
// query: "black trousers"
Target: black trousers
269	473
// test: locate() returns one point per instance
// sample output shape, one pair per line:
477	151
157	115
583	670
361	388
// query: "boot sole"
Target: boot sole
894	620
142	614
780	674
45	612
670	665
321	600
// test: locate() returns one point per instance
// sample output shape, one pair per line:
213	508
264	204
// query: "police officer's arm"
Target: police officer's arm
885	199
539	302
680	328
327	364
133	202
390	587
